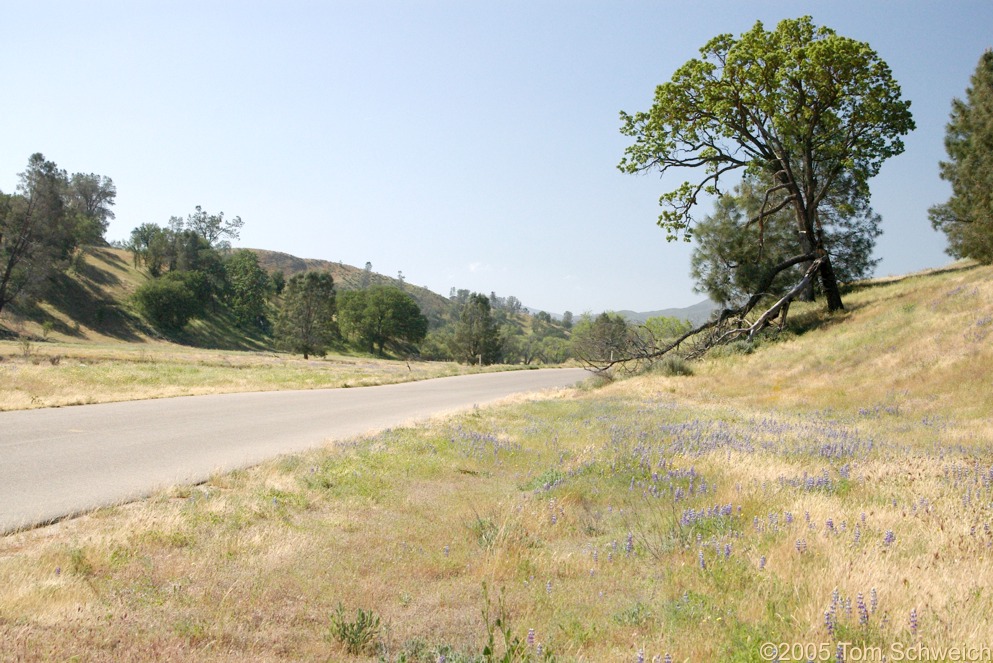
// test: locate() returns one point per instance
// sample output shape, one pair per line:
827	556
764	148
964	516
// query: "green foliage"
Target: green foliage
40	230
358	636
172	300
381	316
601	339
213	228
248	288
90	198
476	337
673	365
967	217
513	648
306	321
734	254
801	104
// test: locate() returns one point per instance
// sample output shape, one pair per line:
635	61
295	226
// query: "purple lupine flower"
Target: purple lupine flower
801	546
789	518
446	551
530	637
829	523
889	538
913	621
641	656
839	653
629	544
858	534
829	621
873	599
548	587
762	563
667	659
703	562
727	550
863	611
539	650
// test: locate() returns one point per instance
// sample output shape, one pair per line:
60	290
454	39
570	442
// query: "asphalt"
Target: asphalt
59	462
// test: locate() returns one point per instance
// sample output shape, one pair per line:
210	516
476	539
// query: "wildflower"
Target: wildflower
727	550
703	562
548	587
829	621
913	621
801	546
667	659
641	656
629	544
530	637
889	537
762	563
863	611
873	599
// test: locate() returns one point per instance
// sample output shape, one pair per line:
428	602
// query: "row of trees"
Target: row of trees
44	223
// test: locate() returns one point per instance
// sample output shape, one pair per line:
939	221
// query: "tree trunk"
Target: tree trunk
829	283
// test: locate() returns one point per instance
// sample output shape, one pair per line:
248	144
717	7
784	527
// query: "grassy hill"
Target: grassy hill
347	277
830	486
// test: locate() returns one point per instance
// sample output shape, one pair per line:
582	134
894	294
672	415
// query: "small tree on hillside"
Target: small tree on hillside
248	288
306	321
601	339
381	316
477	337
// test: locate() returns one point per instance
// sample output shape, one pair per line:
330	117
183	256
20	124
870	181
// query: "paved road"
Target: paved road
63	461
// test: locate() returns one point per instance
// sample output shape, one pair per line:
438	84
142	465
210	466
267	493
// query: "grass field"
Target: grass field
49	374
832	492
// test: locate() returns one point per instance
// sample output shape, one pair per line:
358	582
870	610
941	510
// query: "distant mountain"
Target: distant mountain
696	314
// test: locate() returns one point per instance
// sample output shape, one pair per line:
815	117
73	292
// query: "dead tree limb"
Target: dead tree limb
718	325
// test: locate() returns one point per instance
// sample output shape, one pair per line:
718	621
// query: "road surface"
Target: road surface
58	462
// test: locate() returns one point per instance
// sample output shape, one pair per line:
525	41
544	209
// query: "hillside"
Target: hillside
91	304
347	277
696	314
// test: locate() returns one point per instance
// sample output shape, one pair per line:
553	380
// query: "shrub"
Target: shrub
168	302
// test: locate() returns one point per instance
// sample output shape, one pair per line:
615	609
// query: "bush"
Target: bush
672	365
168	302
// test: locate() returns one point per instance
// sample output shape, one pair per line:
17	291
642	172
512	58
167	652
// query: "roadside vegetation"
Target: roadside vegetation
694	516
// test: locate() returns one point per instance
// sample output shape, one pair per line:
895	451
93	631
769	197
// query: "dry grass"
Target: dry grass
853	458
56	374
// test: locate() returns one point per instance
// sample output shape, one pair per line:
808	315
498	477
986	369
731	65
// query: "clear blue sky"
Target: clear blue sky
467	143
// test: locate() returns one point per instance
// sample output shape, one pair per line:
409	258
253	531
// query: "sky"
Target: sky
468	144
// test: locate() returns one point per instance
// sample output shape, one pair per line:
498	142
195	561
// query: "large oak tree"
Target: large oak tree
801	104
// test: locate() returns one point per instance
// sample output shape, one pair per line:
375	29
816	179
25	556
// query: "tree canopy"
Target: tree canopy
801	104
476	337
730	259
967	217
306	321
379	316
45	221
